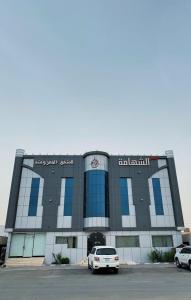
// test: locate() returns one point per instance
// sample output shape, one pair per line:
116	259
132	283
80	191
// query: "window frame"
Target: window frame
74	241
137	241
162	241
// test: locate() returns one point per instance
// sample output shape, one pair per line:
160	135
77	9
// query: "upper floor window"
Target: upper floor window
68	196
96	202
33	202
124	197
157	196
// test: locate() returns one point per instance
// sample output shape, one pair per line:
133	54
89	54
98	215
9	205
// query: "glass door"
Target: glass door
39	244
17	245
28	245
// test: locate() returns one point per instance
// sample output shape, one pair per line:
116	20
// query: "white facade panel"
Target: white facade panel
28	162
128	255
63	221
96	222
22	218
166	220
129	220
96	162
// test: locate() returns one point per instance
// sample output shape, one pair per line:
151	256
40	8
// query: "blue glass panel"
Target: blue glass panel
68	199
96	194
124	198
33	202
157	196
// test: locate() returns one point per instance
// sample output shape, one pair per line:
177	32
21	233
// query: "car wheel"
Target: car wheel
89	267
178	264
92	269
116	271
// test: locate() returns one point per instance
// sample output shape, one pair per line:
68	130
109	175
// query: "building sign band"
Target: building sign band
134	162
54	162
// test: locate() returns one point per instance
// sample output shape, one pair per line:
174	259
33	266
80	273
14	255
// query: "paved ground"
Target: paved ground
154	282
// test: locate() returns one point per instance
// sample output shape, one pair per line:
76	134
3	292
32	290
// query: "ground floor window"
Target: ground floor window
127	241
162	241
71	241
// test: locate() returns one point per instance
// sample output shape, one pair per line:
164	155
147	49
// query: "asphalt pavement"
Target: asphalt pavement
154	282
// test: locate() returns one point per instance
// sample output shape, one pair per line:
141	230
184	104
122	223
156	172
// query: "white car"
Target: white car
103	257
183	257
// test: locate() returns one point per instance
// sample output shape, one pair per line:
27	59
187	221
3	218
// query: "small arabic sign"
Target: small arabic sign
54	162
134	162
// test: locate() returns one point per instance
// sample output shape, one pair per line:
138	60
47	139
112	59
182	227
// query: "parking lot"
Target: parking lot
135	282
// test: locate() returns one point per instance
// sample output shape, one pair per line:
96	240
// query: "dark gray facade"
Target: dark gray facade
53	173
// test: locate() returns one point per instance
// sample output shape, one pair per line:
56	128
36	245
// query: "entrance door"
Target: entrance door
17	245
39	244
28	246
95	239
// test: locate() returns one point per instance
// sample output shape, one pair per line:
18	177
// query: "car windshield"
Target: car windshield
106	251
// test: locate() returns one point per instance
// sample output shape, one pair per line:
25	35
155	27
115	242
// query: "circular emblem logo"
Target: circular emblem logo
94	163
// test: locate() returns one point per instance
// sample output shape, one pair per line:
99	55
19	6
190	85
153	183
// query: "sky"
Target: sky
82	75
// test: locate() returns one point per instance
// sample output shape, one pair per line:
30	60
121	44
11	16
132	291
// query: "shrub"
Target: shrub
169	255
159	256
59	259
65	260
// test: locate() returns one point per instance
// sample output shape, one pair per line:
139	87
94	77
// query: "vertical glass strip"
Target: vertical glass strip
68	197
33	202
96	194
157	196
124	198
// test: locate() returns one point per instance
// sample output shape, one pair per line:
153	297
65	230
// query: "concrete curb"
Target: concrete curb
84	267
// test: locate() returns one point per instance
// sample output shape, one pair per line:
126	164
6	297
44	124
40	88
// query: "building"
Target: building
68	203
186	236
3	243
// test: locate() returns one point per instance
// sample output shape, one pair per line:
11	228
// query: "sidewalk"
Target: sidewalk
84	267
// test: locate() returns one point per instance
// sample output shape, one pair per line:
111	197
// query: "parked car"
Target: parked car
2	255
183	257
103	257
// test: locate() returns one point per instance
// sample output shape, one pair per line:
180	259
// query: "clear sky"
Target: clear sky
84	75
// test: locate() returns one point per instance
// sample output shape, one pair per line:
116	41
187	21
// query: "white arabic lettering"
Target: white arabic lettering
134	162
54	162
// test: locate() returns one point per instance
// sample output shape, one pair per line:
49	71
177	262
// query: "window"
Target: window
96	194
124	198
127	241
157	196
106	251
33	202
68	197
162	241
186	250
71	241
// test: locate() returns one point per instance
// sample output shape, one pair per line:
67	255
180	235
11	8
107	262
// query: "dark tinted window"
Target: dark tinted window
162	241
186	250
183	250
71	241
106	251
127	241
